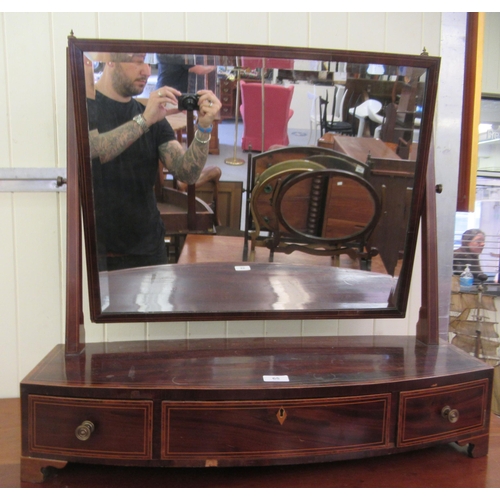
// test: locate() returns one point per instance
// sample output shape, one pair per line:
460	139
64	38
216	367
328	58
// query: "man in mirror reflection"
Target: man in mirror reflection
180	72
127	140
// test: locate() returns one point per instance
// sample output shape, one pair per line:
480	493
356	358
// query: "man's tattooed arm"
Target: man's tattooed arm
185	166
110	144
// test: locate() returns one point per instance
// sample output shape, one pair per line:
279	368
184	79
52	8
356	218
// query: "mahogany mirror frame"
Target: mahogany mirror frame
79	160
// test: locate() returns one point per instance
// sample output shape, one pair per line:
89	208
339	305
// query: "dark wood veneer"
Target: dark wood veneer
205	402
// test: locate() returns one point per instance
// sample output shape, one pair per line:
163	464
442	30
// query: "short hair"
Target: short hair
120	57
469	235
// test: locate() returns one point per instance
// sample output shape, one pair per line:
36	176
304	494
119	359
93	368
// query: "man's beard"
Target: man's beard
123	85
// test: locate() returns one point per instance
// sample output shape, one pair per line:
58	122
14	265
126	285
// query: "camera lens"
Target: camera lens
188	102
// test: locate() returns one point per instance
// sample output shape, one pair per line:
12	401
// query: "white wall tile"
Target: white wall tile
356	327
30	83
162	331
125	25
242	27
239	329
206	27
38	275
323	327
206	329
283	328
431	33
289	28
83	25
125	331
366	31
5	133
164	26
328	30
403	33
9	355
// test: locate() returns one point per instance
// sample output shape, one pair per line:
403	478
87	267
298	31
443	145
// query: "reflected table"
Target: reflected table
358	147
237	288
217	248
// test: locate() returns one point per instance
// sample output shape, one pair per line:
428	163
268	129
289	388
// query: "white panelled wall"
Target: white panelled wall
32	134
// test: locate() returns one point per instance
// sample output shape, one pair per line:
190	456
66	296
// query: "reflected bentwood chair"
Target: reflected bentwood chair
321	205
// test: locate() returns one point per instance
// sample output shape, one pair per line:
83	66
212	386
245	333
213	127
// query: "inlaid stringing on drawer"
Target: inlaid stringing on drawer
106	428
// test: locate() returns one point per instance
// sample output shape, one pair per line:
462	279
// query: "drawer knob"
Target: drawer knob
84	430
450	414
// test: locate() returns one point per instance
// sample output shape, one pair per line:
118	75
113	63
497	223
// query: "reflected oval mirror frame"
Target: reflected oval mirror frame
325	304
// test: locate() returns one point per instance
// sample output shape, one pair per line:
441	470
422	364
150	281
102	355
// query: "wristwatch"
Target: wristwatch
139	119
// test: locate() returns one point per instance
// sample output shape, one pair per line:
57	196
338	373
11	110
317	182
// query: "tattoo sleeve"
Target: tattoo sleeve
110	144
185	166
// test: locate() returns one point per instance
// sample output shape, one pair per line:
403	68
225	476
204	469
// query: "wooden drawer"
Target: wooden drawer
422	415
217	430
122	429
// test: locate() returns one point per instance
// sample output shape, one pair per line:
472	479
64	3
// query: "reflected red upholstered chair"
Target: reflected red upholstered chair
277	112
269	63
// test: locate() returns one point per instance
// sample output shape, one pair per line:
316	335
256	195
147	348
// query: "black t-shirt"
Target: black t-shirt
127	217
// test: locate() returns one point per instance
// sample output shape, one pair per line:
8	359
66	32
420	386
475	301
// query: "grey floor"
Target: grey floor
227	151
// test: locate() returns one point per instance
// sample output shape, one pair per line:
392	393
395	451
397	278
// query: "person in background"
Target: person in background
174	70
468	253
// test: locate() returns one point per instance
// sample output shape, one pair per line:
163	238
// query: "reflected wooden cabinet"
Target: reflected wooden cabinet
227	97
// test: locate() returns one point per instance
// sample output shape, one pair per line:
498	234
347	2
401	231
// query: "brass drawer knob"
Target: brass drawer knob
84	430
450	414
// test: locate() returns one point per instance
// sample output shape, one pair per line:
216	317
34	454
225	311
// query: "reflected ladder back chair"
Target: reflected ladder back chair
259	163
305	206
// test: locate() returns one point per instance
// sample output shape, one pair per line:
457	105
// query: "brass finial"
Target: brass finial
424	52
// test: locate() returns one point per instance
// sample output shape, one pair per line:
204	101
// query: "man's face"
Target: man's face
130	78
476	245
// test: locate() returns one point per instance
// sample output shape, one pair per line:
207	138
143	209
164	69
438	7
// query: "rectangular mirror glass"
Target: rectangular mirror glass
367	180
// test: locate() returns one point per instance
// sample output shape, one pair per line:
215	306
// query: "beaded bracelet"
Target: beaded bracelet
205	130
199	140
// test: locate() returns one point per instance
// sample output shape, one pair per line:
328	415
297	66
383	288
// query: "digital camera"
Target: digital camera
188	102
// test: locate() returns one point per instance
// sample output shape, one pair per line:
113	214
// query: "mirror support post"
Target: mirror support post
75	332
428	322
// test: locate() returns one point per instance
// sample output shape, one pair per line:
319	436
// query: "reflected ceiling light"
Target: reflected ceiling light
375	69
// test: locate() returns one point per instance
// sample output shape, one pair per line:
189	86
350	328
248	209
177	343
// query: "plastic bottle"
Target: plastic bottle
466	280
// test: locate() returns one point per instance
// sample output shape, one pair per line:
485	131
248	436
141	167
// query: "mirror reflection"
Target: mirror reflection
206	158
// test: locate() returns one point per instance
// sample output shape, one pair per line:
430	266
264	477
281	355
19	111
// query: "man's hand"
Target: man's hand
209	108
186	166
158	100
